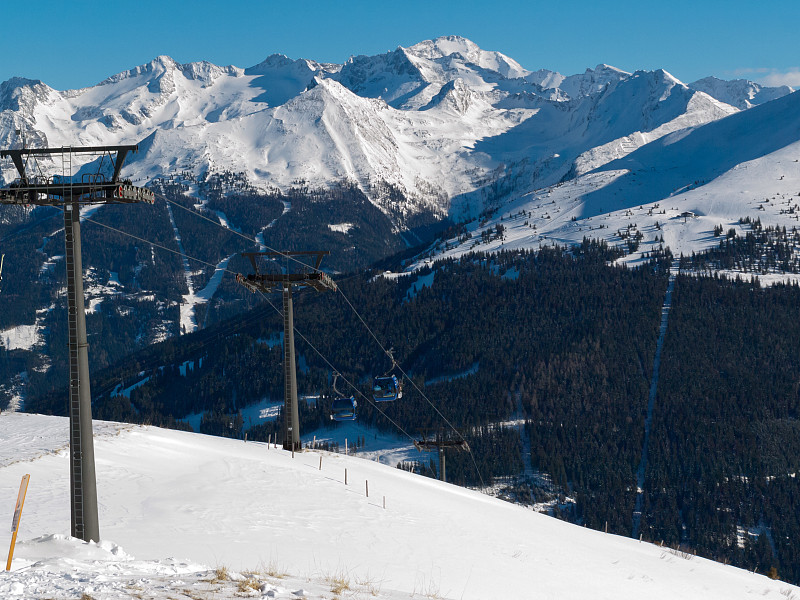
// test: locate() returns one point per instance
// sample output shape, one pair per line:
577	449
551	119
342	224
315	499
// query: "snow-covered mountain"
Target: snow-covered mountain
188	515
439	120
674	190
740	93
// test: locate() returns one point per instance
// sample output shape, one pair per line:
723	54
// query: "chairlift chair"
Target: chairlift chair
344	408
386	387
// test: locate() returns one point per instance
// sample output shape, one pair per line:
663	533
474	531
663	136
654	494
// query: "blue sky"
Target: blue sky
71	44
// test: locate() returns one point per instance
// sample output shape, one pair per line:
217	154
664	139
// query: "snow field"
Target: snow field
222	502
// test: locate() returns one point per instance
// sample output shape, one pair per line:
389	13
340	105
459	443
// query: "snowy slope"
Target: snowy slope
720	172
218	502
440	119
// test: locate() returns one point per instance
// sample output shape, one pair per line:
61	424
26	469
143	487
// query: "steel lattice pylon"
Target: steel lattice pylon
66	193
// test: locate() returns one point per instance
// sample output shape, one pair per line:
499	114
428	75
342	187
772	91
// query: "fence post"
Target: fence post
320	462
367	484
345	476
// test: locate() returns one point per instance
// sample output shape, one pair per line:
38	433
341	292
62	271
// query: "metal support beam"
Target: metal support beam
83	484
68	150
121	154
291	419
17	160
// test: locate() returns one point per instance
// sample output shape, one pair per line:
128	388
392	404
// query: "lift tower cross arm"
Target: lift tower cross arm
69	194
92	188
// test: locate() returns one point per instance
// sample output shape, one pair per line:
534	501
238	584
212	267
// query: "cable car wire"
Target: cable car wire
339	289
182	254
275	308
346	380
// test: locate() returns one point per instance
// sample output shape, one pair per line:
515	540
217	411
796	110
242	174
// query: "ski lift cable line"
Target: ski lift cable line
306	339
90	220
413	383
339	289
240	234
248	238
335	370
339	373
283	254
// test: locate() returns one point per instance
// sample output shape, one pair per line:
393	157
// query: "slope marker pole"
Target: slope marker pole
23	490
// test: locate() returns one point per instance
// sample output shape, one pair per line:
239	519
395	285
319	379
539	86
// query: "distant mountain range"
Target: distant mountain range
367	158
451	125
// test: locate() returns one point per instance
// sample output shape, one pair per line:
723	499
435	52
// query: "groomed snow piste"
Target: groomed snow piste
266	524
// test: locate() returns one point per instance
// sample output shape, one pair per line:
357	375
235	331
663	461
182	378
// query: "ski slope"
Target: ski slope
171	502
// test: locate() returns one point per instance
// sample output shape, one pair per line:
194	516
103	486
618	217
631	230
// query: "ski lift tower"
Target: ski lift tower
440	444
267	282
69	194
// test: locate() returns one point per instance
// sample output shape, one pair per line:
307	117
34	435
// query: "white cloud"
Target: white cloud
790	77
750	72
771	77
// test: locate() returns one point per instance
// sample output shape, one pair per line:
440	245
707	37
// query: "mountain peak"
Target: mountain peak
165	60
444	46
741	93
18	82
668	77
163	67
455	95
18	93
275	62
592	81
608	68
158	66
461	48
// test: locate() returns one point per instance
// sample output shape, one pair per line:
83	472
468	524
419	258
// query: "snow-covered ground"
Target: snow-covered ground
190	507
386	448
193	298
22	337
674	192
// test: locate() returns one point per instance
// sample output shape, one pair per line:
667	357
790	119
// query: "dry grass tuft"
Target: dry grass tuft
339	582
248	586
369	584
220	575
273	570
